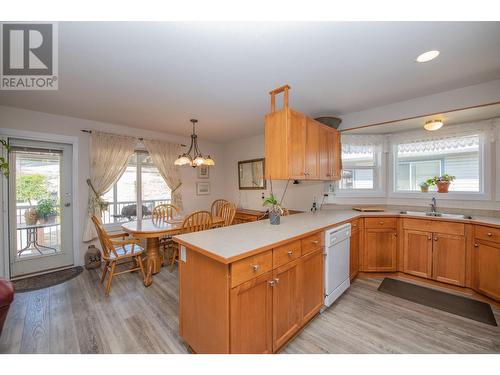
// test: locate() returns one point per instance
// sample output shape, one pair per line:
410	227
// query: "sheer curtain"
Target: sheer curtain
109	154
163	155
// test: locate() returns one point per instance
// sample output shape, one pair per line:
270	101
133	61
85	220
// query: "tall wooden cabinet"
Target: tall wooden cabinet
298	147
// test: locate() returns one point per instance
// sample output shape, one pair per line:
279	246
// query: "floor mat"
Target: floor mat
47	280
454	304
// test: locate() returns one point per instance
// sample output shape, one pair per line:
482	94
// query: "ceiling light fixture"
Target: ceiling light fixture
433	125
427	56
196	159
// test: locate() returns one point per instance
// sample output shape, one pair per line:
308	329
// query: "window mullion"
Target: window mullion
139	186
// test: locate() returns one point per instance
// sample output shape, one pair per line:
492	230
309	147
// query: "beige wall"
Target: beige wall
19	119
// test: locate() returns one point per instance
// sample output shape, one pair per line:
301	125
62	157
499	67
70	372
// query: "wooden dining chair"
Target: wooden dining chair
116	251
194	222
227	212
164	212
217	206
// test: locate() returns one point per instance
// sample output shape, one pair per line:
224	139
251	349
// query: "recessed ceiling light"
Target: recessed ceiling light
427	56
433	125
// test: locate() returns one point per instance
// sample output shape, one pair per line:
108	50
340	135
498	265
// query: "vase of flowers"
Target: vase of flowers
442	182
275	210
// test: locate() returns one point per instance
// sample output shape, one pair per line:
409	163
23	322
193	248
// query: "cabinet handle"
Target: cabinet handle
490	234
476	245
271	282
381	222
328	175
315	242
290	253
435	238
255	267
276	281
429	238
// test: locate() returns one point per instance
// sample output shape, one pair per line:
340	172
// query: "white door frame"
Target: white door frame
4	219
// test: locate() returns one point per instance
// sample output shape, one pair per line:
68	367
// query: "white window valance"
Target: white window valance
462	143
362	143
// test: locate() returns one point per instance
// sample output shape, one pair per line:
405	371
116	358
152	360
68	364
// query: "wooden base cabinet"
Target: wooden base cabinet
354	250
448	259
253	305
417	253
486	255
380	250
252	316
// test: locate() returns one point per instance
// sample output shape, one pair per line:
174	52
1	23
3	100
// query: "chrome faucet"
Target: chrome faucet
433	205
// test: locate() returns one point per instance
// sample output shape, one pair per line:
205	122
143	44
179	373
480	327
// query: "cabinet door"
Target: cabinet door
252	316
448	259
296	146
334	155
312	284
380	250
312	150
286	303
354	254
487	269
417	253
324	154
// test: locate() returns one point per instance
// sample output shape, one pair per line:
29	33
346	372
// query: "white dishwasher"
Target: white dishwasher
336	262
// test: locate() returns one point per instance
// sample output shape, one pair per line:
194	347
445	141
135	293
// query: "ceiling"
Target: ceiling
462	116
157	76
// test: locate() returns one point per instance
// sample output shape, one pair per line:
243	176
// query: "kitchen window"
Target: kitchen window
139	189
362	167
457	155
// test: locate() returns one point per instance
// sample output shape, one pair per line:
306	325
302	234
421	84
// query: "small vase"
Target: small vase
424	189
274	218
443	186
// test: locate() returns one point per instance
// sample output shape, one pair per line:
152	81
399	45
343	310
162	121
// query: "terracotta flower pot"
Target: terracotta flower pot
443	186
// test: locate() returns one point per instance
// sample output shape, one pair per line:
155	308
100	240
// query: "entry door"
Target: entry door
40	211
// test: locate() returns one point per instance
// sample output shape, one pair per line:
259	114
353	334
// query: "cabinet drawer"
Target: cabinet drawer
286	253
435	226
248	268
311	243
245	217
487	233
380	222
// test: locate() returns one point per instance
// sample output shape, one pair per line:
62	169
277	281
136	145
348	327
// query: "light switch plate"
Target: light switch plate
183	254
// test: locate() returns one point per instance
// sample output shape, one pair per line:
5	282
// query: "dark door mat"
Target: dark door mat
47	280
458	305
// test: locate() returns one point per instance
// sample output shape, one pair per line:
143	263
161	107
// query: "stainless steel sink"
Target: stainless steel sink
436	214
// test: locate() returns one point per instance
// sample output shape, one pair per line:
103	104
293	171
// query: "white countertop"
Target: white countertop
228	243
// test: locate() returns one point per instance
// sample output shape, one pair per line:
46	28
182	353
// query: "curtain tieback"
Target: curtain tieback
177	187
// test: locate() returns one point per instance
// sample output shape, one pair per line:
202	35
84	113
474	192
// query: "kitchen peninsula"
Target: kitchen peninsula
250	288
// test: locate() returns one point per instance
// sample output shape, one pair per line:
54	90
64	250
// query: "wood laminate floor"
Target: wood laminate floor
76	317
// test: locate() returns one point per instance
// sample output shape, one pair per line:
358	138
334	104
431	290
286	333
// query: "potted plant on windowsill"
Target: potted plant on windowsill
46	211
443	182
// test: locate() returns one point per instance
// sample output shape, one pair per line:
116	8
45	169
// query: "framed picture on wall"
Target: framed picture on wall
203	188
203	171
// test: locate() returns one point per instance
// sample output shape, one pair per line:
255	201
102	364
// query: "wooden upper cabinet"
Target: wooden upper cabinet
252	316
448	261
380	250
487	267
312	150
417	253
298	147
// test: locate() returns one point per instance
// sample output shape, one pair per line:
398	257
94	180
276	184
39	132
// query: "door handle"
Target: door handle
67	204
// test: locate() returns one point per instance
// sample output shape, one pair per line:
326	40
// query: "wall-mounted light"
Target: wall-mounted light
432	125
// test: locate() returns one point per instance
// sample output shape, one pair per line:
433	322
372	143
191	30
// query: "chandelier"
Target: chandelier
195	159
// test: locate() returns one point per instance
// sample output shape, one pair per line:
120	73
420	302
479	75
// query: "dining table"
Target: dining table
152	230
